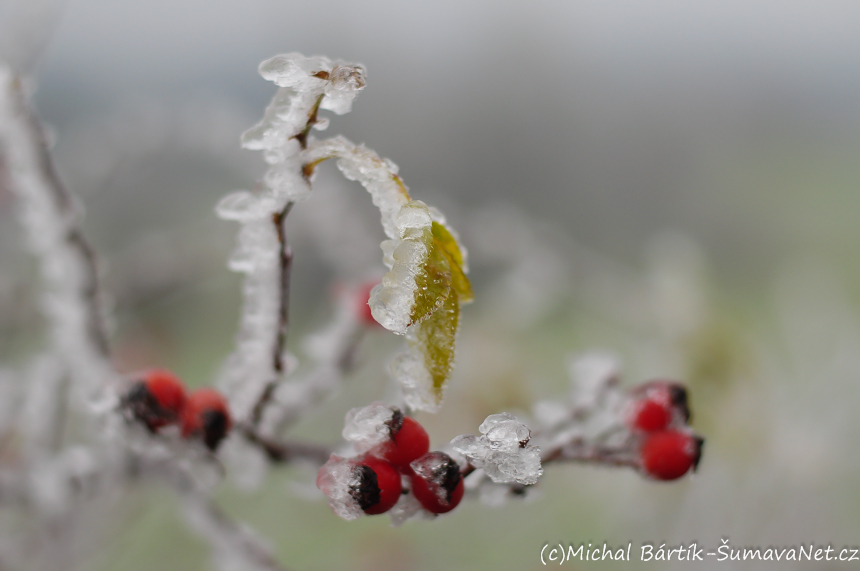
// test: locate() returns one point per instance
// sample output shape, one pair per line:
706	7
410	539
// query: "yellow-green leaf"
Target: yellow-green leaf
444	241
433	282
436	336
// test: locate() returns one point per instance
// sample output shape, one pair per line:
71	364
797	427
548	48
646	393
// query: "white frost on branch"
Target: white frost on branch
306	85
331	353
51	219
407	294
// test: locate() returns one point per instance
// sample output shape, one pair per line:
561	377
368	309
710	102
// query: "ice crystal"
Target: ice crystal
502	451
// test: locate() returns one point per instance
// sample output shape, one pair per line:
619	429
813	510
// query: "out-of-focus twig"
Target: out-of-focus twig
286	451
233	544
51	218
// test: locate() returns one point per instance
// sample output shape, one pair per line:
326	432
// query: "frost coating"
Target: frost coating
378	176
51	218
368	426
307	84
418	297
337	479
502	451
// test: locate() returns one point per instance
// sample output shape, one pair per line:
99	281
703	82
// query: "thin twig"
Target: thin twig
283	452
590	455
286	264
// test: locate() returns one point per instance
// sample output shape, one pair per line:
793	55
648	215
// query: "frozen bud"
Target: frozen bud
368	426
503	450
345	83
295	70
348	78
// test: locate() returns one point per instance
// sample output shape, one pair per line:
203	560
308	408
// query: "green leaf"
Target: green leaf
435	338
445	242
433	282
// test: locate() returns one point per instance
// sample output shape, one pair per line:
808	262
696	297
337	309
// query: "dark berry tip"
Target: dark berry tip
447	476
215	425
678	395
395	423
366	490
697	453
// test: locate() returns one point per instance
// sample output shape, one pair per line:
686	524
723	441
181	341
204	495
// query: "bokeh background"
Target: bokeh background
674	182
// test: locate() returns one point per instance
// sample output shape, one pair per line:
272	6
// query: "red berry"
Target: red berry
207	416
669	454
407	441
378	487
156	398
656	405
437	483
363	305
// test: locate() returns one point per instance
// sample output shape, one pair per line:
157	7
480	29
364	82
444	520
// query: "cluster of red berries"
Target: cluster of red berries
377	476
659	413
157	398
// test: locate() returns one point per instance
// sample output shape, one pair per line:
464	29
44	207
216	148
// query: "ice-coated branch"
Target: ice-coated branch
333	351
51	218
263	255
421	294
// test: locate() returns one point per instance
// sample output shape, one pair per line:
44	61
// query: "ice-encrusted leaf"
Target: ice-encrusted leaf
435	338
432	283
448	245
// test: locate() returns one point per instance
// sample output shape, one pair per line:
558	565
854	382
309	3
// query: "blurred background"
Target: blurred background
674	182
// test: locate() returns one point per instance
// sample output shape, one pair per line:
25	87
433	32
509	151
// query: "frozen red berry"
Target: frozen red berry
407	441
669	454
378	486
206	416
437	483
156	398
656	405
